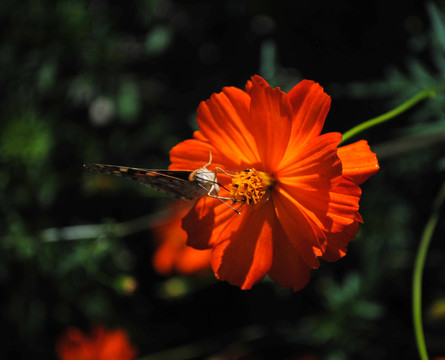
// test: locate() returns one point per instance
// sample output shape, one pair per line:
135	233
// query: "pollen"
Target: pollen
250	186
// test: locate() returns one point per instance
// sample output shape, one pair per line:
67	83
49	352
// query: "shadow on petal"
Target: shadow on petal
199	224
288	268
338	242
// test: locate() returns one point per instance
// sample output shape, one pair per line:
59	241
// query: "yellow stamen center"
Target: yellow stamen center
250	186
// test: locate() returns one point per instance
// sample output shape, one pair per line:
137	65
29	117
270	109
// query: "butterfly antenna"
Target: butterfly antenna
217	183
210	160
230	206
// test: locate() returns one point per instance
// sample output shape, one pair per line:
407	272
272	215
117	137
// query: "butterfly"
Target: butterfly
182	184
187	185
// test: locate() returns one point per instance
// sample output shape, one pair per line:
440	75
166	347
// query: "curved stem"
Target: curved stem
418	272
390	114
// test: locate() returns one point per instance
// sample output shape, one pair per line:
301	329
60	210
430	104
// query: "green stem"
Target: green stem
418	272
93	231
390	114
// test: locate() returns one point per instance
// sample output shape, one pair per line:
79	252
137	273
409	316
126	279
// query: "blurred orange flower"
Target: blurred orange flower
172	254
298	194
101	344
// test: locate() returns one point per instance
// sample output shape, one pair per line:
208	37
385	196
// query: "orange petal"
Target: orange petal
329	208
245	255
191	154
339	241
192	261
164	259
305	236
310	105
117	346
171	237
101	343
173	255
224	121
358	161
271	115
307	177
315	182
343	203
318	158
288	268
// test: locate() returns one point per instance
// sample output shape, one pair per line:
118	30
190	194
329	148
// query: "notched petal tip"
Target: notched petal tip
310	106
271	114
258	80
358	161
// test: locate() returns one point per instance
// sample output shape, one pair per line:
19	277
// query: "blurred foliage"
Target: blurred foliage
423	69
100	81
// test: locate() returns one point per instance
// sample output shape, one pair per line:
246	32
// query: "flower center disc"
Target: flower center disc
249	186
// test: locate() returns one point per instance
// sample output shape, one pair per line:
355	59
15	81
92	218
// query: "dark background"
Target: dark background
114	82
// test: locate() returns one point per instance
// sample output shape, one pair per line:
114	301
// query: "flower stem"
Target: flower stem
418	272
429	93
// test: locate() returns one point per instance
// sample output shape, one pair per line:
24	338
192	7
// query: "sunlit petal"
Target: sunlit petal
271	116
302	232
358	161
310	105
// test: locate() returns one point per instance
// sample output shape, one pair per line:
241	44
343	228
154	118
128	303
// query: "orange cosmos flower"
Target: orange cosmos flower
101	344
172	254
298	193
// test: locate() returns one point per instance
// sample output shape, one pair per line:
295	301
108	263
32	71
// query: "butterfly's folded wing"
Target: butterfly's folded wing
173	182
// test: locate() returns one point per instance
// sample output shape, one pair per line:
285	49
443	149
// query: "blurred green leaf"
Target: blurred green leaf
158	40
74	14
128	101
46	76
26	139
18	240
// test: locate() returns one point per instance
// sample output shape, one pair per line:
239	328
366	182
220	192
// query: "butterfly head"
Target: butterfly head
206	178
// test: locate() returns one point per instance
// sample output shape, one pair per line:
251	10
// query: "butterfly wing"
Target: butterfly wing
173	182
